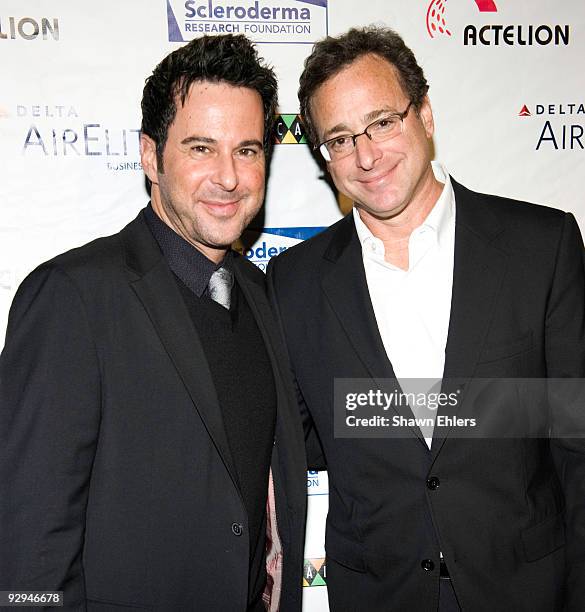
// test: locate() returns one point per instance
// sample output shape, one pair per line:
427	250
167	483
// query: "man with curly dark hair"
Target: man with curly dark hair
150	454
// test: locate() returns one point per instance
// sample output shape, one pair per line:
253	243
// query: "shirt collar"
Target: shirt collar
187	262
441	219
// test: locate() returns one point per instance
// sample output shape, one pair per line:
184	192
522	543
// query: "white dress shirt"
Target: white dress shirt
412	307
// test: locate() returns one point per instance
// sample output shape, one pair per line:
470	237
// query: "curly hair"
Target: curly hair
222	59
332	54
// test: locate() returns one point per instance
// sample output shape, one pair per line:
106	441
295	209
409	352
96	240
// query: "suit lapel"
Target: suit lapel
156	288
257	299
479	268
288	422
345	285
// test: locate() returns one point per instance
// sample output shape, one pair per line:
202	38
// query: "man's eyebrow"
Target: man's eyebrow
373	115
367	118
204	139
340	127
192	139
250	143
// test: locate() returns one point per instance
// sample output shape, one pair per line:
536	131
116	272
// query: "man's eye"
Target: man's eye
200	149
249	153
341	143
385	124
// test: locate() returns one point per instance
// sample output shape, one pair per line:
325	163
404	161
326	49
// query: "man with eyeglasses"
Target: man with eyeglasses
426	279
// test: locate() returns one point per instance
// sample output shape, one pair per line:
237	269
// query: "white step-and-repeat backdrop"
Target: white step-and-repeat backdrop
506	84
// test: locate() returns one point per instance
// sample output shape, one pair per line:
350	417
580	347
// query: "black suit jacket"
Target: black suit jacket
117	483
508	514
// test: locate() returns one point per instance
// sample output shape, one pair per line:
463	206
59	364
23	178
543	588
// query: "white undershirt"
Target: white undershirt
412	307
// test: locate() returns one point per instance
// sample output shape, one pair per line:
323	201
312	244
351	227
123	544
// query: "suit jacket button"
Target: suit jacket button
237	529
433	483
428	565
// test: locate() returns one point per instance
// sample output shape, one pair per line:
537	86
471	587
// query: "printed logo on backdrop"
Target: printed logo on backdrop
270	241
263	21
436	24
524	112
314	573
289	130
63	131
557	126
317	483
488	34
29	28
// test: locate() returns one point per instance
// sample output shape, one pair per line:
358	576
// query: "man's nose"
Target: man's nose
367	152
226	175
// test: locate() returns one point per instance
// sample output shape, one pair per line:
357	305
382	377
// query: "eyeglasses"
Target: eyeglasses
382	129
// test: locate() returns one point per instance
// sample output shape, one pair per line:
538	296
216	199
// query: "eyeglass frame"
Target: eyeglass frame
323	146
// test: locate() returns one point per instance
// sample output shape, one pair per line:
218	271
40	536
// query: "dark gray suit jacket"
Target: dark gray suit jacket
117	484
508	514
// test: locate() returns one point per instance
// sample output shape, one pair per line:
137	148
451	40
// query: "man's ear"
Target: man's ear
148	158
426	116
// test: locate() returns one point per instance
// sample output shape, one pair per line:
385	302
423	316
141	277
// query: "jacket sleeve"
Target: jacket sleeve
49	422
565	359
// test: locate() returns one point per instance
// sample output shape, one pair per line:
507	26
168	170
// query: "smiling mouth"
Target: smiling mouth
221	208
220	202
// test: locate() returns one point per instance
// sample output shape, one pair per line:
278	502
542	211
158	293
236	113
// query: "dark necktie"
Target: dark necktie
220	286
